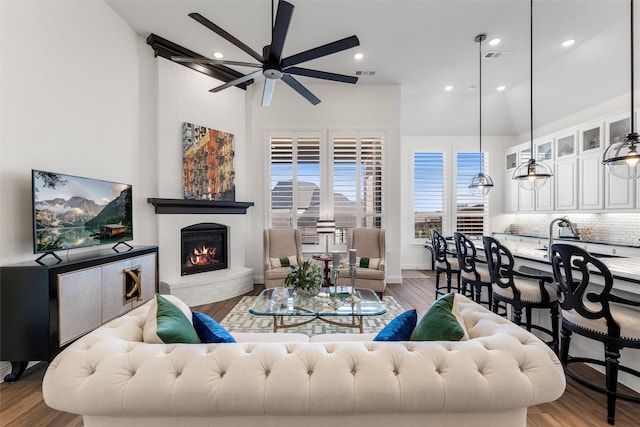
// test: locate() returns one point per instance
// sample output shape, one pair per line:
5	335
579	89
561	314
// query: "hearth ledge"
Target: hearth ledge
205	288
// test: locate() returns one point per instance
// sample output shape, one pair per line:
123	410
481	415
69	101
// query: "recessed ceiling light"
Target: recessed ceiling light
568	43
494	42
501	88
218	55
359	56
448	88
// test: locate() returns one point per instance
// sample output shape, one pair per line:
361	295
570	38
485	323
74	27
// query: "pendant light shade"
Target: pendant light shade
532	174
622	158
481	184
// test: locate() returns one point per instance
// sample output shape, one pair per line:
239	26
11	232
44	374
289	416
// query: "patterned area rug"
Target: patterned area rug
240	320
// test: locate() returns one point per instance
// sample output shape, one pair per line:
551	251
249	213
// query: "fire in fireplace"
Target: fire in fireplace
203	248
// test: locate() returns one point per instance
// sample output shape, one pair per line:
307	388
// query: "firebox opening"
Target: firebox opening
203	248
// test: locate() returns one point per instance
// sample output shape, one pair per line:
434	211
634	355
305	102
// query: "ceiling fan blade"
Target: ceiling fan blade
297	86
321	51
280	28
267	93
214	61
321	75
222	33
237	81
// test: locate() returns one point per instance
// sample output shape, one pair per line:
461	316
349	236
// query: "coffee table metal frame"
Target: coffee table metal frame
317	308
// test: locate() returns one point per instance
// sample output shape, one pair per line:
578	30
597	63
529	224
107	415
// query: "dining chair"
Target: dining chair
473	274
444	263
522	291
595	313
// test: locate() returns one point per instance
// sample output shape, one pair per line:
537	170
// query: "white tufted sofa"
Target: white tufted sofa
112	378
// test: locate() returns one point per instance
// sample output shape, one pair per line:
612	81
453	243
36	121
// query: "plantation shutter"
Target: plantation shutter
471	209
429	183
358	174
295	184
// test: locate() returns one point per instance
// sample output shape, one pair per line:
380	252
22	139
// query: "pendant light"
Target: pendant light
532	175
481	184
622	158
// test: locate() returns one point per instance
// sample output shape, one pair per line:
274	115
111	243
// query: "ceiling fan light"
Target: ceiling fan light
622	158
481	184
532	175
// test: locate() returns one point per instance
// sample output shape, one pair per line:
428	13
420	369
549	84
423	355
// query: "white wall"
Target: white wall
71	102
183	96
343	107
413	253
75	99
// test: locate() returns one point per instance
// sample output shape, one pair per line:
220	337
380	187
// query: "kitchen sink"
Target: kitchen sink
593	254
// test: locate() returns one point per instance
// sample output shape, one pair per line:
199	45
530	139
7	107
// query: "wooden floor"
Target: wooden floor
21	403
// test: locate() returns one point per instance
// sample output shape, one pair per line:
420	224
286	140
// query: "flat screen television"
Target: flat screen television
72	212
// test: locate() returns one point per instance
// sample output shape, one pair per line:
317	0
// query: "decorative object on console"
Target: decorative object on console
481	184
73	212
532	174
207	157
326	227
306	279
622	157
271	65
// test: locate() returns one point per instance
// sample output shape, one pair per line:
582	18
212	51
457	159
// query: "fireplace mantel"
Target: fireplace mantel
190	206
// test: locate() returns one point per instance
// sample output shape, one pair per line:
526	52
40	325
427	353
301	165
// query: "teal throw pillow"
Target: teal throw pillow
209	330
400	328
439	323
173	325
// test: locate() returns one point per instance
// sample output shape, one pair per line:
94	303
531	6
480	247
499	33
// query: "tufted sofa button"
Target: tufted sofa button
310	372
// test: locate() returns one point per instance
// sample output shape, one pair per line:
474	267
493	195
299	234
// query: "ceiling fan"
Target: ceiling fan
272	66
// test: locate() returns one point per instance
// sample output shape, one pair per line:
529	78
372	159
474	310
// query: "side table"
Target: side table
327	270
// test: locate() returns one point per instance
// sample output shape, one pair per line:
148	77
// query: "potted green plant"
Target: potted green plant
306	279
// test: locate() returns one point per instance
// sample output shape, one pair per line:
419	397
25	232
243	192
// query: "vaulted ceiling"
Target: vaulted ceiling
425	45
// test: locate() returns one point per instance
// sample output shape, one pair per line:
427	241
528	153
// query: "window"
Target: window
295	184
429	185
357	183
470	209
348	186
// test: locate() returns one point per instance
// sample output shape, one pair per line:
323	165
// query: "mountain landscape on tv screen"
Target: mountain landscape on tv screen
76	221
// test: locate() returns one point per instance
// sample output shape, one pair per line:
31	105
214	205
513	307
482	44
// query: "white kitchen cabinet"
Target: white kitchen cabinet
566	184
510	192
591	182
619	192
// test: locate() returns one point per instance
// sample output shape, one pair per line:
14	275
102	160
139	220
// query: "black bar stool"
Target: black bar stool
444	264
592	315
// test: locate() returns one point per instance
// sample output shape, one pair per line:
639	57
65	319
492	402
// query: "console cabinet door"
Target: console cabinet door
79	303
147	264
113	303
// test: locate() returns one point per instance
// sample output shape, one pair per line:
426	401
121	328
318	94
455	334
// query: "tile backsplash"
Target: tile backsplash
615	228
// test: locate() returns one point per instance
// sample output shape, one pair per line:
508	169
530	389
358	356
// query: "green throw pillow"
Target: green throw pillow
439	323
167	322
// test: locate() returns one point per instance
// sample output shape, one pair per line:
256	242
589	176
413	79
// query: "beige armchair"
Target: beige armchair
282	249
369	243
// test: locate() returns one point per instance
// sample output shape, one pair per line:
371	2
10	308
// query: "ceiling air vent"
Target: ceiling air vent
494	54
365	73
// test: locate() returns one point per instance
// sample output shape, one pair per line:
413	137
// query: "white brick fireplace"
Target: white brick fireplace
207	287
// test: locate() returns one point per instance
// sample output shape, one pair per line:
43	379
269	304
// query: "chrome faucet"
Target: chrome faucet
561	220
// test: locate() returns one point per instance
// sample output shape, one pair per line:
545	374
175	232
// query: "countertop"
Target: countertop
621	267
568	239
